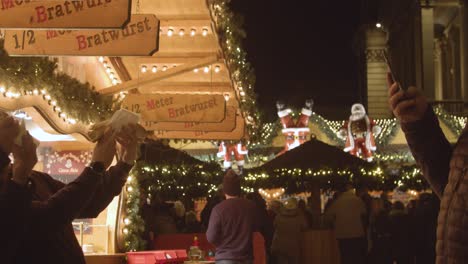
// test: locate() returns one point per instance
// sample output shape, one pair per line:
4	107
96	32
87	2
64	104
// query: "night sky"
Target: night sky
303	49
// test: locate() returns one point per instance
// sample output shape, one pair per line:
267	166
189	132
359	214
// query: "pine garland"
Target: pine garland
79	101
454	123
229	30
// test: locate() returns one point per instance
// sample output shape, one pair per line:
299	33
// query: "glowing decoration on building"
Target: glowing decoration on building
360	132
228	151
295	132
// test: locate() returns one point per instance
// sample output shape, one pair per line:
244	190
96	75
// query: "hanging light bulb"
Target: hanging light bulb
226	97
170	32
164	68
195	70
144	68
181	32
205	32
108	69
193	32
206	69
217	68
115	81
111	75
101	59
154	69
378	25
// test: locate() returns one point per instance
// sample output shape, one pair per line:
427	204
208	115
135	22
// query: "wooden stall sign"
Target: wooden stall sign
139	38
177	107
236	134
227	125
75	14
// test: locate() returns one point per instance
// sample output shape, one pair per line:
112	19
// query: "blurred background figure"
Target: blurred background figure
289	225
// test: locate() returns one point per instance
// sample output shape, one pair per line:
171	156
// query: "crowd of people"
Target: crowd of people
37	226
370	230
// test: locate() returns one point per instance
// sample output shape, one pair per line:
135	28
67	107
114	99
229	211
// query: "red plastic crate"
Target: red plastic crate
177	256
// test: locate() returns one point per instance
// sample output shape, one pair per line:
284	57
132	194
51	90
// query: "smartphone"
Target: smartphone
392	72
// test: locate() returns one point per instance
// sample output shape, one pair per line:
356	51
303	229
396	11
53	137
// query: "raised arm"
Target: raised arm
114	179
425	138
69	200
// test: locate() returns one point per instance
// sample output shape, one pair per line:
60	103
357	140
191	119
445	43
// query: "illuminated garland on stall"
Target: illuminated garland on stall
68	97
134	225
399	157
329	128
230	34
173	182
178	181
407	177
454	123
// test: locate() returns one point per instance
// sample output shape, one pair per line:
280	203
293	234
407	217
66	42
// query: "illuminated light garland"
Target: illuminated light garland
454	123
230	34
26	76
172	181
178	181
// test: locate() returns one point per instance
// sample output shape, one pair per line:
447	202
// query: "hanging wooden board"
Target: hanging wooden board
72	14
177	107
139	38
227	125
237	134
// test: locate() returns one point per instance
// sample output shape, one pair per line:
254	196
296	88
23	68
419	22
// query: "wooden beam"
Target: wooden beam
159	77
184	54
165	60
184	16
191	84
186	23
187	89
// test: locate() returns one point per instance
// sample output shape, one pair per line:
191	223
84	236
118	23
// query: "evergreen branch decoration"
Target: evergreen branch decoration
454	123
134	223
23	75
230	33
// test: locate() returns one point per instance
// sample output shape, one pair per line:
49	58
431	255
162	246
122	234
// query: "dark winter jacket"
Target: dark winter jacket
49	233
15	203
445	169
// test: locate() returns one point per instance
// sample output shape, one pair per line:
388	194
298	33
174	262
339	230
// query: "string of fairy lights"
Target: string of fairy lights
455	123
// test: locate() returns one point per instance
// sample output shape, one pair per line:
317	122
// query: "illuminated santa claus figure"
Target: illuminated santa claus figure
295	133
228	151
360	132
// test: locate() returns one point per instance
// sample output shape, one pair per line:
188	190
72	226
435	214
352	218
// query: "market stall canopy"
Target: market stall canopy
315	154
155	152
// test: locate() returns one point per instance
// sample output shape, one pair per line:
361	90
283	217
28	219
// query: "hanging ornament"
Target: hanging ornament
237	151
360	132
295	132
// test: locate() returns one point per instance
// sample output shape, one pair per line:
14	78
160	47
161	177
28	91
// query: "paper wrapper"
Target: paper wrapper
120	118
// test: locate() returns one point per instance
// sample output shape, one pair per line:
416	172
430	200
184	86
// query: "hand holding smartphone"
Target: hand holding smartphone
392	72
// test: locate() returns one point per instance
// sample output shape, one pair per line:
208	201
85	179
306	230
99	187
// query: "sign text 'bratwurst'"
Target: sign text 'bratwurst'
177	107
227	125
139	38
236	134
64	14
